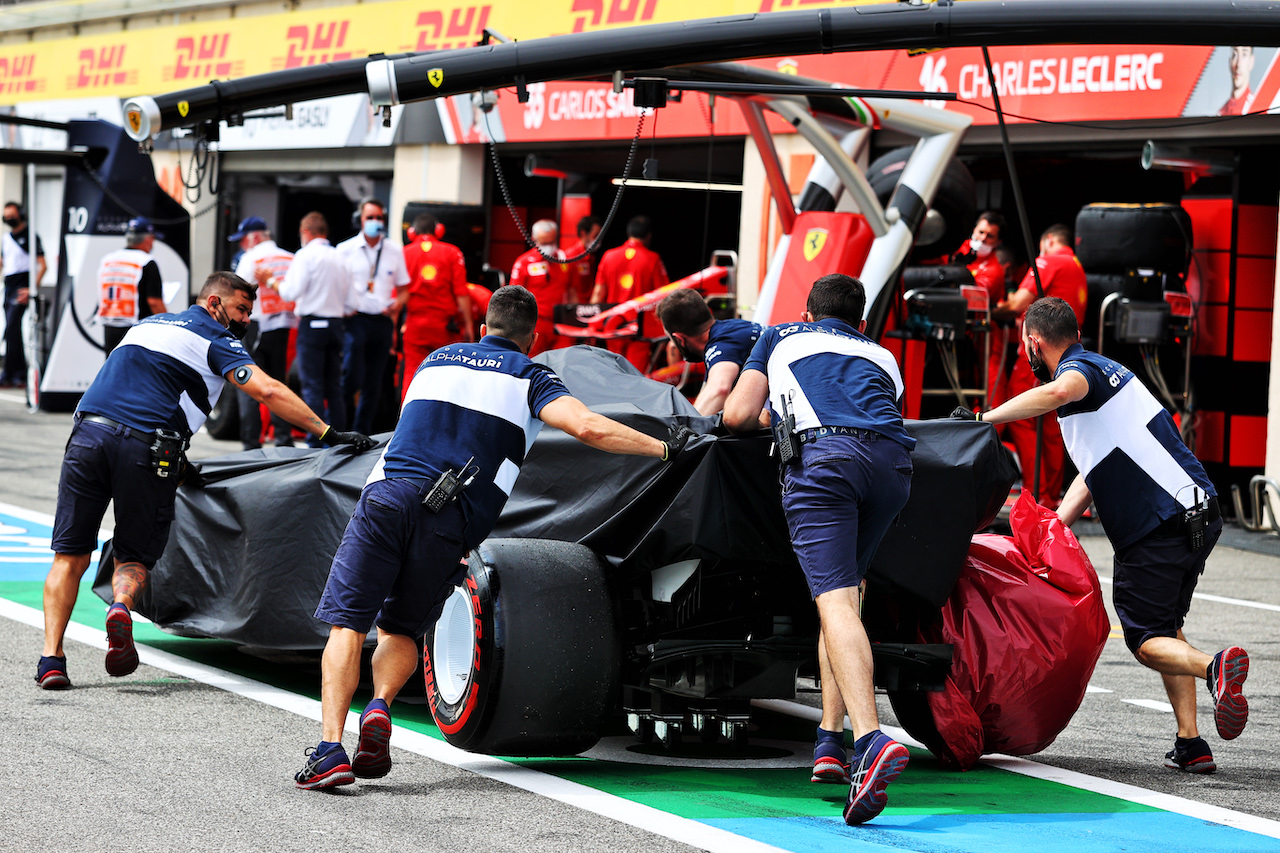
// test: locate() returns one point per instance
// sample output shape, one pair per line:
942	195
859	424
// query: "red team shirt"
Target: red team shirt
437	278
630	270
546	280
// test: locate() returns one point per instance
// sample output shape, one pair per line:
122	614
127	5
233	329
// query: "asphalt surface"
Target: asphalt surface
165	763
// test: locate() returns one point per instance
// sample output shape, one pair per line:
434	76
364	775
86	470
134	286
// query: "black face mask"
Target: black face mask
12	223
235	328
1039	369
685	353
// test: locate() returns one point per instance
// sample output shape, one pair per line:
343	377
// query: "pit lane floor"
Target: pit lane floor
211	769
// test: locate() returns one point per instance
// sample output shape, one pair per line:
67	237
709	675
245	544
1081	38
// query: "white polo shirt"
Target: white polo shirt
375	271
317	282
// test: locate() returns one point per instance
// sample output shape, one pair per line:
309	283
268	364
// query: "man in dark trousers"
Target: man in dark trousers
15	250
473	409
1156	504
319	285
131	428
835	398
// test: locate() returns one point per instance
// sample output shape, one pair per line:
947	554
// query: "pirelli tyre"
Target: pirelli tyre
951	217
1115	238
224	419
525	657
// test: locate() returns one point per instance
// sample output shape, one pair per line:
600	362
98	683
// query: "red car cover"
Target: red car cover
1028	623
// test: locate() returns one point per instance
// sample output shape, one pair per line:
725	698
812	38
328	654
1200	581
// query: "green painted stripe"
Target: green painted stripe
700	794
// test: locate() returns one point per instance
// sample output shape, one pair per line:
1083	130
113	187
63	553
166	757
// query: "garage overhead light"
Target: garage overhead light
679	185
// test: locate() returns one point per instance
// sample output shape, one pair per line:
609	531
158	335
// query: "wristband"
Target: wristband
979	416
666	451
327	430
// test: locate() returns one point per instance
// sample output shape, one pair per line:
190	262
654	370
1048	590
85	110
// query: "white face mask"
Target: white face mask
980	248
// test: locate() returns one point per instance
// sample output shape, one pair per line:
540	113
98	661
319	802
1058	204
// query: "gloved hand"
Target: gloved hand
190	475
359	441
960	413
676	441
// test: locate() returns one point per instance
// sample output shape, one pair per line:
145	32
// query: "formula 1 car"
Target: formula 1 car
611	585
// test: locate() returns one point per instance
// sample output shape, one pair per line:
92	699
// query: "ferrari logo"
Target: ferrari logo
813	243
134	117
183	108
435	77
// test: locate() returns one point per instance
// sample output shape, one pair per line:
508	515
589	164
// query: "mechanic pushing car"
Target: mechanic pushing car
1062	276
1156	504
469	418
835	399
723	344
131	429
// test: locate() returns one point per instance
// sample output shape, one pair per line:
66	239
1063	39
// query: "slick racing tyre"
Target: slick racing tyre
952	213
525	657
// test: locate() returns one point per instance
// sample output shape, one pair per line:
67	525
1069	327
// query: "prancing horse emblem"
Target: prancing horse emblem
813	242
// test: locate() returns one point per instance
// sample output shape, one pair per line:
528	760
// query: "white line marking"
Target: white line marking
1153	704
1072	779
1089	688
607	805
571	793
1240	602
44	518
13	398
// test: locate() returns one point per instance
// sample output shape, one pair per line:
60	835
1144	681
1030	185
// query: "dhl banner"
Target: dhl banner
1056	83
162	59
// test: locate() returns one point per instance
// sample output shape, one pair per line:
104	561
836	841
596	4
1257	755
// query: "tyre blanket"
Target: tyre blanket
1028	623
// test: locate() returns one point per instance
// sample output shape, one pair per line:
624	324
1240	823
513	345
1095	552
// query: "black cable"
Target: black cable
129	209
707	107
1108	125
613	211
1026	235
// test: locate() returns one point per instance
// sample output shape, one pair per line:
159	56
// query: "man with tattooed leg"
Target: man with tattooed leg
131	429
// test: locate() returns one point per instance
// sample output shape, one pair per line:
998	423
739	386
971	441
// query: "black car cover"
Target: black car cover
249	553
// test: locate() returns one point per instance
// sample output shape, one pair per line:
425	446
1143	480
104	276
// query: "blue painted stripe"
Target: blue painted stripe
1014	833
25	554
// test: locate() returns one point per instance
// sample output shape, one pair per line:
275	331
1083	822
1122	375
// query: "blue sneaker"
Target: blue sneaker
1192	755
880	763
51	674
122	654
1227	672
373	753
326	768
830	763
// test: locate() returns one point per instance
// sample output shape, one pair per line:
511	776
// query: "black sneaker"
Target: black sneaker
122	654
327	769
51	674
1191	755
1227	672
373	753
872	771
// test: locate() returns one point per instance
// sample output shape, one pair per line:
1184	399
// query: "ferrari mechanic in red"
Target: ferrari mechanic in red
438	307
545	278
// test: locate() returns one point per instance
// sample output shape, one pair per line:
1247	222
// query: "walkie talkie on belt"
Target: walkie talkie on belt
447	487
166	452
1196	520
784	433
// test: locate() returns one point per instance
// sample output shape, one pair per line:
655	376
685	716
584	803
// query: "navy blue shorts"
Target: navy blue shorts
397	563
1152	583
840	502
102	463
